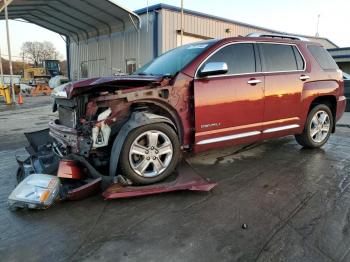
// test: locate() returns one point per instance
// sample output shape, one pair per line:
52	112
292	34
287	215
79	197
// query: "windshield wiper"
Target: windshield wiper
144	74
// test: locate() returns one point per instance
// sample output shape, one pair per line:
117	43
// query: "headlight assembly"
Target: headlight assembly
36	191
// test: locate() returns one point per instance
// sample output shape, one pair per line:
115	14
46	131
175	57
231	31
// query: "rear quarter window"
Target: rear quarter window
323	58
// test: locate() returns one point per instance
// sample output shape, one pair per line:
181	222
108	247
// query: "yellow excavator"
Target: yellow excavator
39	77
49	69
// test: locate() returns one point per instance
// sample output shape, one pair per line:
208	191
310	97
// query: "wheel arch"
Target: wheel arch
137	119
161	109
330	101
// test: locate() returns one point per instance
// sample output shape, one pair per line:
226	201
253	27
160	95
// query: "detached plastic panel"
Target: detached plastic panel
185	179
89	189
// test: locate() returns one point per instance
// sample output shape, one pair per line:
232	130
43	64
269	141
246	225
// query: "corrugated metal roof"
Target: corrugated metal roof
77	19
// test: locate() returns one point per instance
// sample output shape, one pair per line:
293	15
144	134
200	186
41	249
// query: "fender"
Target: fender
312	91
137	119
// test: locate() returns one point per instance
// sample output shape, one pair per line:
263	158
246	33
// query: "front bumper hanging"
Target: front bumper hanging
78	179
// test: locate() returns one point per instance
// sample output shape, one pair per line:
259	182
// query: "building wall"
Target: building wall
345	51
196	26
107	55
342	57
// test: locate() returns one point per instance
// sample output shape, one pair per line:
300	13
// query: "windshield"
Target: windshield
173	61
52	65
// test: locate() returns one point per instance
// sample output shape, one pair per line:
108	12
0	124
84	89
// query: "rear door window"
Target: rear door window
323	58
240	58
299	59
280	58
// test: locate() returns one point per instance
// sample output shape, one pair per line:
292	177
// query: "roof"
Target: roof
340	49
191	12
77	19
340	54
200	14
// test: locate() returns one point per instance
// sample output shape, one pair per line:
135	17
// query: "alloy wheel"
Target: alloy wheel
150	153
320	126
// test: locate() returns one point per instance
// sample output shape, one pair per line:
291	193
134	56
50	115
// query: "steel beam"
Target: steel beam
9	52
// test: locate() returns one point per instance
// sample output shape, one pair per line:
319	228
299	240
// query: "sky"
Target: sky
297	16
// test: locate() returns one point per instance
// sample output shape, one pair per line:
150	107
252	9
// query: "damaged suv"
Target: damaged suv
198	97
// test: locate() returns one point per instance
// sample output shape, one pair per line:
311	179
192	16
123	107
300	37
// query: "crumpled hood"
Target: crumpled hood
112	82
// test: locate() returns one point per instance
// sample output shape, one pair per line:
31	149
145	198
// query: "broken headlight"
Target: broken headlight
36	191
60	91
101	132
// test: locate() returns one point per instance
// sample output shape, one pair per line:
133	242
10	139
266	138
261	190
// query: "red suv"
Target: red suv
198	97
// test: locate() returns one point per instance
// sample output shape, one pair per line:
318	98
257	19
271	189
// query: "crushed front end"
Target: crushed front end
91	113
69	134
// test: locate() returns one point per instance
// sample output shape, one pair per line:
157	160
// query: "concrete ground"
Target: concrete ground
345	120
294	201
28	103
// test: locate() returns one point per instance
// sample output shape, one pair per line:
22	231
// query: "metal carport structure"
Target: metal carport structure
77	20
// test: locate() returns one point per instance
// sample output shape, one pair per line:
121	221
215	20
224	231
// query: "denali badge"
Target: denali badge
211	125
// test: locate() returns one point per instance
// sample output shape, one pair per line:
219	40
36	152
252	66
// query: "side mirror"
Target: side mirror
213	68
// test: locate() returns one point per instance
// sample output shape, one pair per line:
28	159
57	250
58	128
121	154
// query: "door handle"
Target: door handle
304	77
254	81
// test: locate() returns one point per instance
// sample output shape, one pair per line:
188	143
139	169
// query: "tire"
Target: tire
150	153
309	138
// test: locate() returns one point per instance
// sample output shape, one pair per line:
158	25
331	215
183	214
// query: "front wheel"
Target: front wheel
318	127
150	153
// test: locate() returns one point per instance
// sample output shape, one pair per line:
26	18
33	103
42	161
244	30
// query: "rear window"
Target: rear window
323	58
278	57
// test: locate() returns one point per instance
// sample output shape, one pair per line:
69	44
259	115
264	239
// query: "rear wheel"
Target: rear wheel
150	153
318	127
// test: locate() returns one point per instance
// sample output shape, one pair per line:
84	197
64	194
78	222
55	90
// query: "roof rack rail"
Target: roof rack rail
283	36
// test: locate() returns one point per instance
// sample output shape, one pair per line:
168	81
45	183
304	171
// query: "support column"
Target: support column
182	21
9	53
1	70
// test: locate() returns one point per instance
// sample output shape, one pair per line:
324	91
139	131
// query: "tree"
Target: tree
17	67
37	52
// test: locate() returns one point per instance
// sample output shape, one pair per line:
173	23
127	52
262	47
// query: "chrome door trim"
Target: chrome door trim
230	137
280	128
247	134
251	73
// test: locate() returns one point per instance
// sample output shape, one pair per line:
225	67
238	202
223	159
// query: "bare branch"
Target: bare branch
37	52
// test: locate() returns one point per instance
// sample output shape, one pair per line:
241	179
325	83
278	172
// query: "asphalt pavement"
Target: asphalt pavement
294	203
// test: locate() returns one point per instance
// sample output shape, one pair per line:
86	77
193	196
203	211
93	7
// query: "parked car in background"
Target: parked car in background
197	97
346	77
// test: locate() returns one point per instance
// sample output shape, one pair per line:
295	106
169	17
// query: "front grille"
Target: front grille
66	116
80	107
71	110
